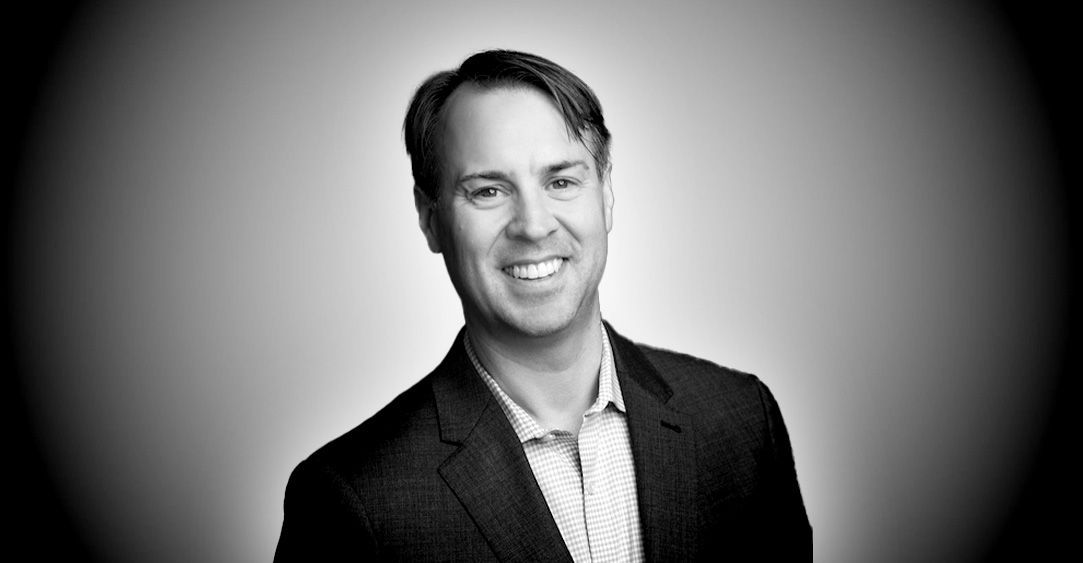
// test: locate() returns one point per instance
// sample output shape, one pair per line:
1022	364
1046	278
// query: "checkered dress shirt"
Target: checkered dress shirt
589	482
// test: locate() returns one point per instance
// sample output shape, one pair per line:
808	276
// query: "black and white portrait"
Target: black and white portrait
218	259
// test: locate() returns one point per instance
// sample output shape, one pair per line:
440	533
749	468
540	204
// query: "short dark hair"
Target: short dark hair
492	69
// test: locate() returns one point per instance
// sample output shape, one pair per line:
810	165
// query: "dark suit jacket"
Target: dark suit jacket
439	474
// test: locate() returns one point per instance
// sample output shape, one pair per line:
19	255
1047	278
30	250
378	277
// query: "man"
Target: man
544	434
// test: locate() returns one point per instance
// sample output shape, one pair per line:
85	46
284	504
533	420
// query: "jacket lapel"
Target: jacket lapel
664	451
489	473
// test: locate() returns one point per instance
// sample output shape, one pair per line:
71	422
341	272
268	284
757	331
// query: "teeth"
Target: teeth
535	271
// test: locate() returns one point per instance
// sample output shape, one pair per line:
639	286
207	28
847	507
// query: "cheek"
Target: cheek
474	237
585	220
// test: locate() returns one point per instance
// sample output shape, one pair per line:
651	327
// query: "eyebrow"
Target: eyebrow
564	165
500	176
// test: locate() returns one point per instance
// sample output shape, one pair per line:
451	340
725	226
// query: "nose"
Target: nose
533	219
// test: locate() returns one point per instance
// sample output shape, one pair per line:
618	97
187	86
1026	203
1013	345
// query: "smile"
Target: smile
535	271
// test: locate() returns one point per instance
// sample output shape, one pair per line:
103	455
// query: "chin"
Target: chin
543	321
538	328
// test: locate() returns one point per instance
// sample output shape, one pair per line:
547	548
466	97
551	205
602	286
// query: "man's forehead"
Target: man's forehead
472	105
493	127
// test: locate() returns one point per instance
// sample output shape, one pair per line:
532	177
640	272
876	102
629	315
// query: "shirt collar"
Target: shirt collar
526	427
608	384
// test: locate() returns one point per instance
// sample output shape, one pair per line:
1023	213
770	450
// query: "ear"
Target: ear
607	199
426	219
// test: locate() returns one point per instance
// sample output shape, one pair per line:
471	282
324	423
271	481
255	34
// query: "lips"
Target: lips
535	271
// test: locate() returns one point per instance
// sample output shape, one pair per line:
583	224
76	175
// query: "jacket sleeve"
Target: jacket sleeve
323	518
786	509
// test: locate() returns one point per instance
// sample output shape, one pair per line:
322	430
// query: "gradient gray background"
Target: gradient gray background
224	268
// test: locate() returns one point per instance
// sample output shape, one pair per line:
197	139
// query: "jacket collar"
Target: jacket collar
664	453
489	473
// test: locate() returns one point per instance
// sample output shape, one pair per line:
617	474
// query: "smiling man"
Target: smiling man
543	434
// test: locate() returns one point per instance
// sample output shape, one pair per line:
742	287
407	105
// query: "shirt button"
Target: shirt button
548	438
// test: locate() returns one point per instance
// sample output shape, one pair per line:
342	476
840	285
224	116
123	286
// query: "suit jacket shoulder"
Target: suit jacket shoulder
437	474
406	424
695	380
331	512
719	398
748	502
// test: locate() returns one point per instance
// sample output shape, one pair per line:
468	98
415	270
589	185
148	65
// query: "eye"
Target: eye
488	192
486	197
563	188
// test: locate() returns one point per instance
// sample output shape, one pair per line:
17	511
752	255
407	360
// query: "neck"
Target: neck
553	377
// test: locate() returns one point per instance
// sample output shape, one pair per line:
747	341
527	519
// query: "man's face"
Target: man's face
523	216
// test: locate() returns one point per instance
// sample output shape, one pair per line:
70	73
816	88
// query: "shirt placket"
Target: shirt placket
591	473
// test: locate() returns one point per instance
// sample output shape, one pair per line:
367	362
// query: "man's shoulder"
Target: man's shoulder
407	426
703	386
681	366
685	370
